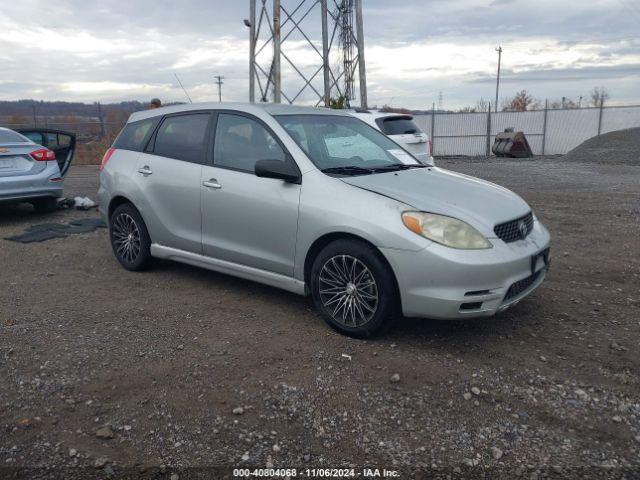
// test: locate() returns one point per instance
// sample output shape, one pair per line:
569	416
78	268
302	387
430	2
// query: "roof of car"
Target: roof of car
270	108
377	114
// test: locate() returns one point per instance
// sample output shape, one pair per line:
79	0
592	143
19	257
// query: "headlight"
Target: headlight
447	231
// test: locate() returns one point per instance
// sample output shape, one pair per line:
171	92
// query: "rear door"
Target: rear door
62	143
169	175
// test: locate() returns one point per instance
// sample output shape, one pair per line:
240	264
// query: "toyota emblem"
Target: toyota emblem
522	227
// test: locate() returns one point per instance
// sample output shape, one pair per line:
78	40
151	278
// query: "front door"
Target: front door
246	219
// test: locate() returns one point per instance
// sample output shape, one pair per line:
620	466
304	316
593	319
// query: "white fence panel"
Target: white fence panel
619	118
566	129
466	133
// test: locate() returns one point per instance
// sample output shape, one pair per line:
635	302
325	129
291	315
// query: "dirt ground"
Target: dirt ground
108	373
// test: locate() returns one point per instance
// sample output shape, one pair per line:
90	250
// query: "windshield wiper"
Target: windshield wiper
348	170
398	166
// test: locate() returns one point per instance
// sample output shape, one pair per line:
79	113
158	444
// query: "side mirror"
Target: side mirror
286	171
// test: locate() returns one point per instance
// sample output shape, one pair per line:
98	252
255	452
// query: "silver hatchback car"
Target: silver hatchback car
319	203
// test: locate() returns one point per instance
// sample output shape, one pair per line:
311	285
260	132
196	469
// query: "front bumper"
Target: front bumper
445	283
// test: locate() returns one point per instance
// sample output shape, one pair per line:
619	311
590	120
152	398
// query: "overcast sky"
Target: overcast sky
112	50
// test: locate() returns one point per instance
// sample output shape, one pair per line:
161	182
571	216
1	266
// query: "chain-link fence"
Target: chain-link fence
549	131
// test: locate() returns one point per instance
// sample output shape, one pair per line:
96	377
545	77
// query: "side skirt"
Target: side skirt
249	273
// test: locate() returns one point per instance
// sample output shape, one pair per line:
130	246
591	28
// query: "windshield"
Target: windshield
345	145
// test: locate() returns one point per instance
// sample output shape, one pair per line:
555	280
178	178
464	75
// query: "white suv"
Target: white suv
401	129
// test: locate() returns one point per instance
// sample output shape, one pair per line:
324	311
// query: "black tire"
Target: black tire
129	237
363	263
45	204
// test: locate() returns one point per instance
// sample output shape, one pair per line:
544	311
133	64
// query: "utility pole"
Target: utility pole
499	50
219	82
102	132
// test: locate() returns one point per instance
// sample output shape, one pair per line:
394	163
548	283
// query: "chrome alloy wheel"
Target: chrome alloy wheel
348	290
126	237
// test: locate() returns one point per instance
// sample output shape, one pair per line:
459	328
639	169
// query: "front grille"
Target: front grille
514	230
520	286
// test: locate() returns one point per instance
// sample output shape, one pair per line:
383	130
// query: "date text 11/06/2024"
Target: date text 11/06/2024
317	473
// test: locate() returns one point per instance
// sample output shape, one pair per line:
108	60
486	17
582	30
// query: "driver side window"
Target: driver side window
240	142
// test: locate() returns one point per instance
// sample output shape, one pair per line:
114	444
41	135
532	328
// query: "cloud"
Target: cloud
108	50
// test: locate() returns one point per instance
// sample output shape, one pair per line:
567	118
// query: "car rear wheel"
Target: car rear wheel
130	239
45	205
354	288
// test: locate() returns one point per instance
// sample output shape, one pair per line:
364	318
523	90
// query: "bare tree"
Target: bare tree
566	102
598	96
482	105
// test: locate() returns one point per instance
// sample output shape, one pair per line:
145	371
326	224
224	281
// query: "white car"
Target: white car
401	129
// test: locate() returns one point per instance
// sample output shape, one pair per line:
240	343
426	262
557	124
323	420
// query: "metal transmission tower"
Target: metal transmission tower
344	15
306	63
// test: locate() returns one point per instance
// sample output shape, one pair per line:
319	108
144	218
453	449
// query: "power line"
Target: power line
183	89
219	82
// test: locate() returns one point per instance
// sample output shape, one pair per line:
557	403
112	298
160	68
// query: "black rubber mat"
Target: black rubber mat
96	222
36	236
47	231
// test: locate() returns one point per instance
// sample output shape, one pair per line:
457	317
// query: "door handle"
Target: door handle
146	171
212	183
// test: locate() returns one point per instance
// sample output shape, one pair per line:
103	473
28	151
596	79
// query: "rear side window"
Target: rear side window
398	125
182	137
8	136
134	135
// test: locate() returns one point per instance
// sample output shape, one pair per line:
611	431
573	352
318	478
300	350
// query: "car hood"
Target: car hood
477	202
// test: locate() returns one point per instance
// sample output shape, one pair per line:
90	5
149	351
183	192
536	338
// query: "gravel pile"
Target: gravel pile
621	147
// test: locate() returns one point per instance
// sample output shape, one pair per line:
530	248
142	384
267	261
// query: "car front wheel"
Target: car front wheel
130	239
354	288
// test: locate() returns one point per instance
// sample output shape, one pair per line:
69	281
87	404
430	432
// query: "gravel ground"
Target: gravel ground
183	373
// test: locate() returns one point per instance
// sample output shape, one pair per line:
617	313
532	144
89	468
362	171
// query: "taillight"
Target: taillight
107	156
430	148
43	155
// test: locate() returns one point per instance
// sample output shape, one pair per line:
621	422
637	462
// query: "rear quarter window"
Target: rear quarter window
9	136
398	125
135	135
